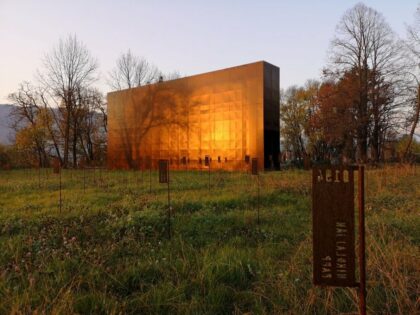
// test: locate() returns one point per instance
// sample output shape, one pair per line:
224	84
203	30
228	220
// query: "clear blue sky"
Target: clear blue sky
188	36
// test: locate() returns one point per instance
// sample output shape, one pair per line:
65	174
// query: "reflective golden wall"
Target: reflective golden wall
220	114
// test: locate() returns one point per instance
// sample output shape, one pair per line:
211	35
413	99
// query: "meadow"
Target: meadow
107	250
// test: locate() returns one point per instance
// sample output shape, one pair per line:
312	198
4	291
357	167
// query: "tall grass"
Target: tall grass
107	251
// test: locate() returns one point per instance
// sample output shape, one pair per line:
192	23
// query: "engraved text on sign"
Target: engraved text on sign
333	226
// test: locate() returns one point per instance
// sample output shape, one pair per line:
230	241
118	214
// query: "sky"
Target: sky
190	37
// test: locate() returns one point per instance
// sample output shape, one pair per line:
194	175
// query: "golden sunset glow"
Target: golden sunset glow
219	114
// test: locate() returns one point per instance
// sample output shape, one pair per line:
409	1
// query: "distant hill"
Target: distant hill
6	133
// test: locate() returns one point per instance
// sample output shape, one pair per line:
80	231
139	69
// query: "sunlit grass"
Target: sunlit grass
107	251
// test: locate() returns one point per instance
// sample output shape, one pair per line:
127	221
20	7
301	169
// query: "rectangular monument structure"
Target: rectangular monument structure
228	113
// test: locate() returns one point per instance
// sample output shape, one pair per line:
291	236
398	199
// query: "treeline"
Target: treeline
62	115
366	99
366	103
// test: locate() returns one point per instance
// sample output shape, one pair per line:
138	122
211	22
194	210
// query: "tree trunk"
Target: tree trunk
375	143
39	153
413	127
66	137
82	144
53	136
362	144
362	115
57	149
74	144
45	159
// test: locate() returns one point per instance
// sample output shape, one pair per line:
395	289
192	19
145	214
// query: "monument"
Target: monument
229	113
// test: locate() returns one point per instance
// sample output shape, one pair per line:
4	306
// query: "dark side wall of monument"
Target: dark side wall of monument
225	115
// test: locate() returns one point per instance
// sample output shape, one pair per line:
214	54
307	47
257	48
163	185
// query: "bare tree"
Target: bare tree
413	87
365	44
132	71
68	68
91	122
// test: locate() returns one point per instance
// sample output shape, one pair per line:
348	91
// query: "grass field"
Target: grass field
107	251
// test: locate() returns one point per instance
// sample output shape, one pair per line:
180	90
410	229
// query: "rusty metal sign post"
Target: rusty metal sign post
61	199
184	162
254	171
39	174
164	179
84	179
142	171
94	174
333	228
56	166
57	170
362	252
149	167
207	162
246	161
82	165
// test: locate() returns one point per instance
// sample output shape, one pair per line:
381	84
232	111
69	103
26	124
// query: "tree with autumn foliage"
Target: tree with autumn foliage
61	115
355	111
366	48
296	106
336	116
32	123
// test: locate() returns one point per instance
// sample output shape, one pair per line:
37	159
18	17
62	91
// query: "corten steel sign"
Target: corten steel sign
226	113
56	166
164	178
306	162
163	171
82	163
333	226
148	163
254	171
254	166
